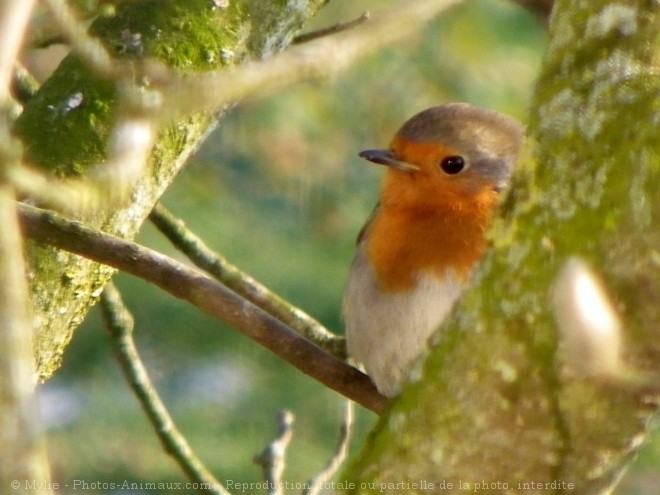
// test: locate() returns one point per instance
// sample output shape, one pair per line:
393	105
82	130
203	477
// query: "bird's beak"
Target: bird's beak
389	159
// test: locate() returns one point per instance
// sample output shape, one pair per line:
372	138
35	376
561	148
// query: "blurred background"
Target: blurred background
279	190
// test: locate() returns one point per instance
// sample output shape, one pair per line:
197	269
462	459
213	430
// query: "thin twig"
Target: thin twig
185	94
119	323
108	184
240	282
95	55
316	484
89	48
337	28
273	458
14	16
205	294
24	86
319	58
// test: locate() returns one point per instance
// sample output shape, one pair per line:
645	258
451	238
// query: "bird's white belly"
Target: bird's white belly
387	331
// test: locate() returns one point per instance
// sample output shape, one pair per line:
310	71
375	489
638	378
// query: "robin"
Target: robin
445	169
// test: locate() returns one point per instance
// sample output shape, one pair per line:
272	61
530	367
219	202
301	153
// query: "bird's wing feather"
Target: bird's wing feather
366	225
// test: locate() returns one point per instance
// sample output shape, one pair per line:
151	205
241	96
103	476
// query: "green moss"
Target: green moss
67	137
188	36
64	127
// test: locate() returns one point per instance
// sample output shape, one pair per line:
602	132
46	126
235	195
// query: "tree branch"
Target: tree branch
22	453
207	295
315	485
245	286
14	17
88	48
337	28
273	458
24	86
318	58
119	323
108	184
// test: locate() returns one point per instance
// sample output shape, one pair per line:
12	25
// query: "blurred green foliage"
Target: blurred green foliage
279	190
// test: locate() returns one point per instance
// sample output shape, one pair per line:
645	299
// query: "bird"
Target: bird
446	169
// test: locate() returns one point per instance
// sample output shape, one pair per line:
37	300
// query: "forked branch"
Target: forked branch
206	295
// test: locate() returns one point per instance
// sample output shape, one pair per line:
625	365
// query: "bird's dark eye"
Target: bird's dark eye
452	164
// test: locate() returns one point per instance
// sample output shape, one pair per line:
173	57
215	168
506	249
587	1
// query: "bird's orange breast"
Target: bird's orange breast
445	233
